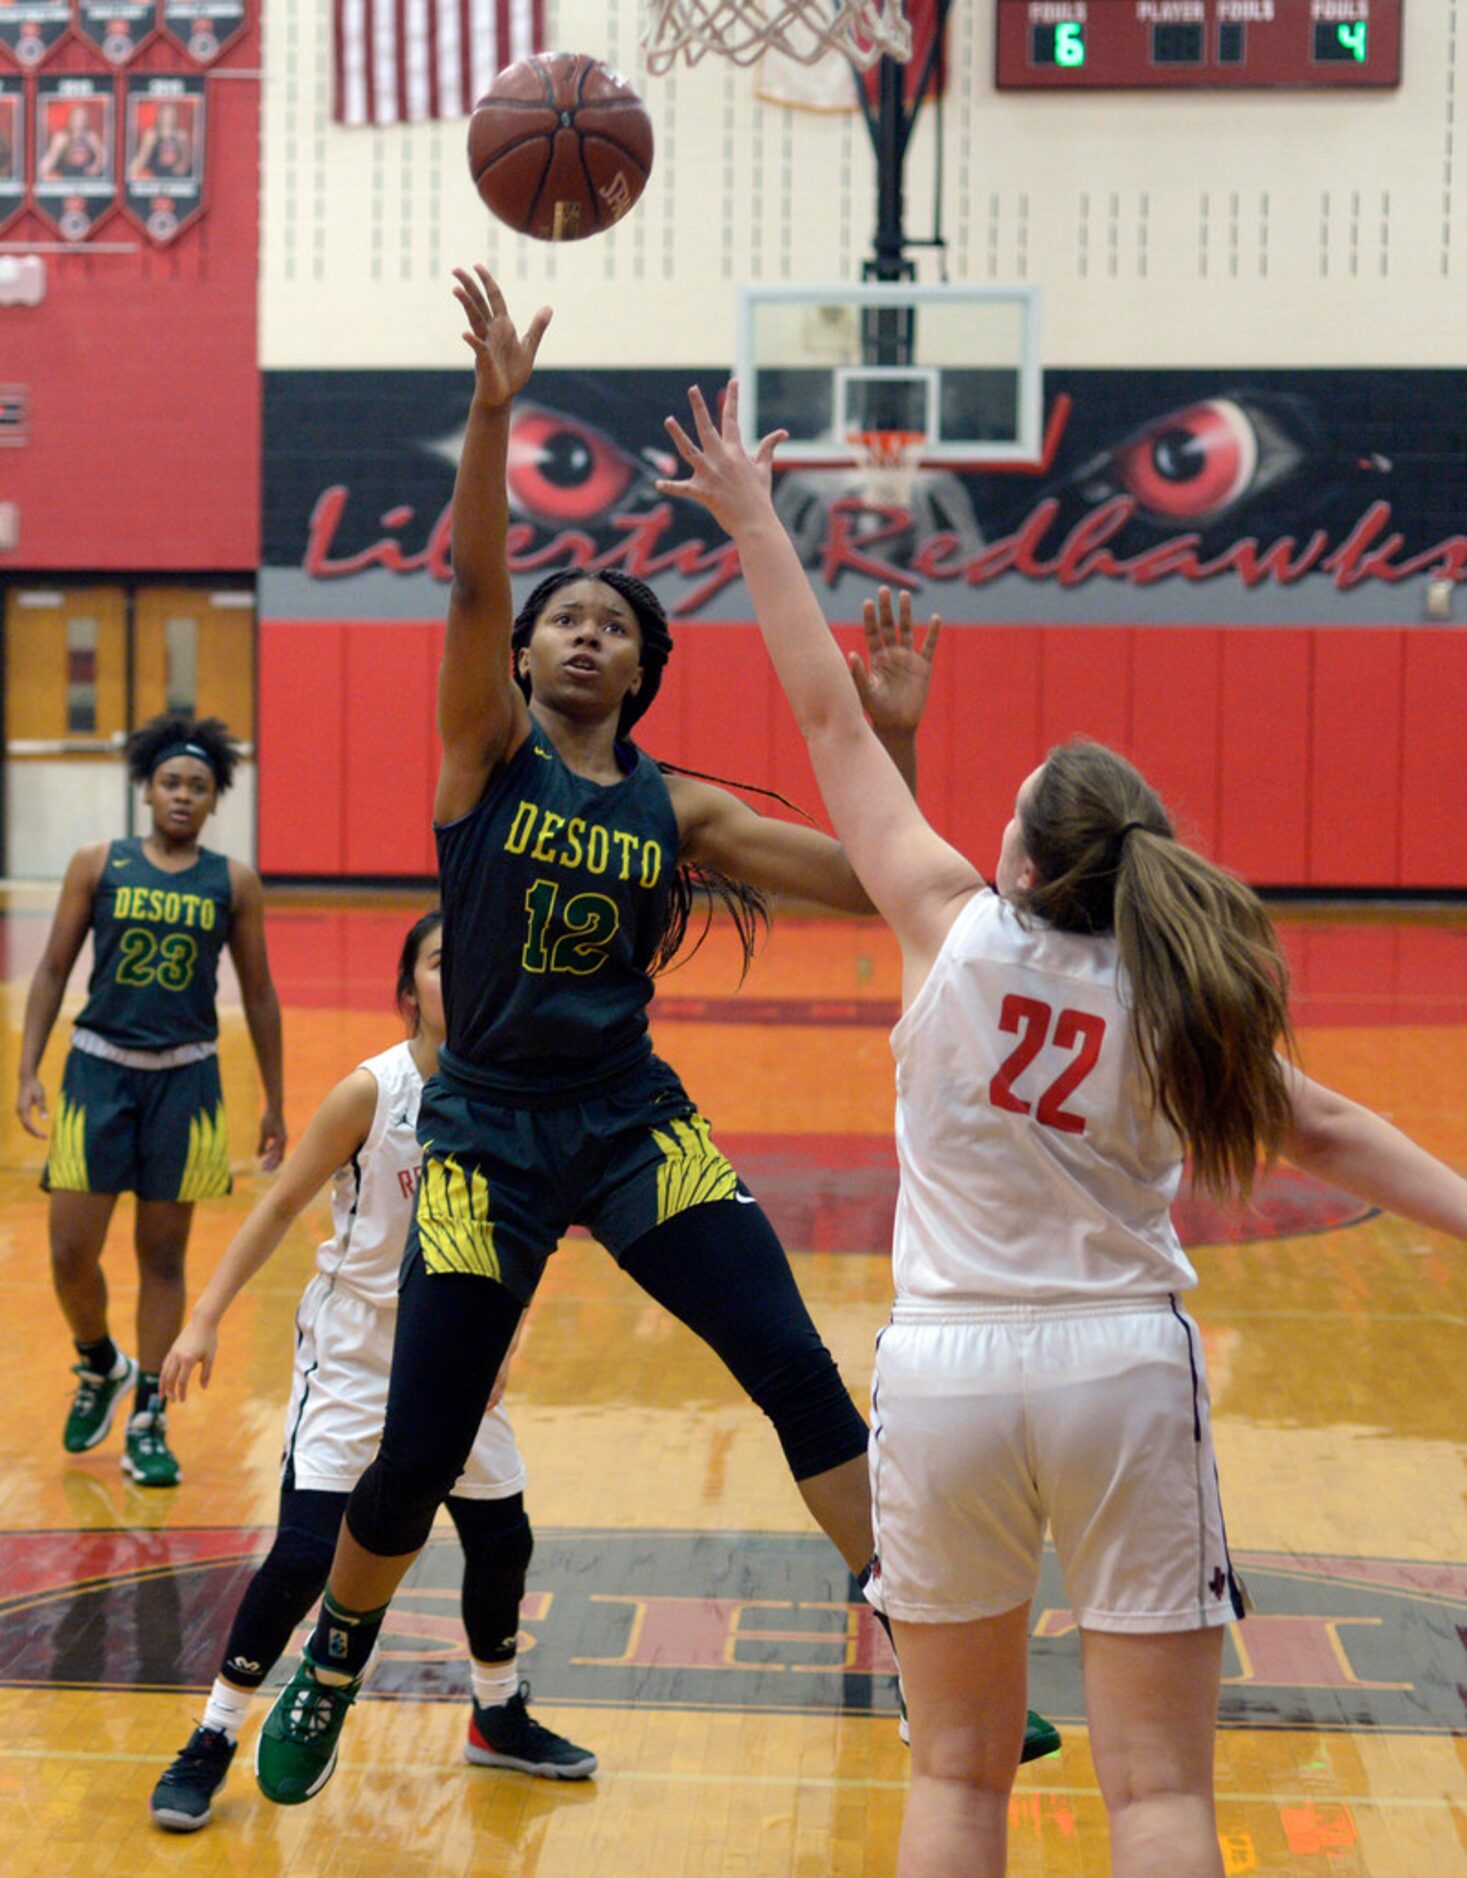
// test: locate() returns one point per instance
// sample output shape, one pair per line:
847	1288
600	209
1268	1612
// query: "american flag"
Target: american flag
405	61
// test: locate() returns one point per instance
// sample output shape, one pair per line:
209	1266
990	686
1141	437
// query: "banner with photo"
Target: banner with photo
31	30
163	132
12	148
116	28
204	28
75	184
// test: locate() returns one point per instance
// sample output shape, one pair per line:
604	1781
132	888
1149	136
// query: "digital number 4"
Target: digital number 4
1030	1019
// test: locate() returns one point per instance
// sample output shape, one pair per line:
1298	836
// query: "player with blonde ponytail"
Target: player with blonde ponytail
1108	1004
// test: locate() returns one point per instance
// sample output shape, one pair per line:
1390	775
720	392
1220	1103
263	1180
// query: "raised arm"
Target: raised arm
916	880
1352	1147
718	830
802	863
48	987
261	1006
337	1131
482	718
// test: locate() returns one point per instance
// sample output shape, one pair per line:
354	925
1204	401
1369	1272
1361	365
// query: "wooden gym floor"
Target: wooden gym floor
683	1618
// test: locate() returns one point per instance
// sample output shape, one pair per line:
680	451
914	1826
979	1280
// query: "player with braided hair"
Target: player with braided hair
140	1109
558	840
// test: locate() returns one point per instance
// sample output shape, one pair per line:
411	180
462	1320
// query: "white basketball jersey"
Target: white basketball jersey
372	1196
1032	1167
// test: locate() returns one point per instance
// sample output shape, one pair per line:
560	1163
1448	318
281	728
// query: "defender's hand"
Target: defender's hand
732	485
892	681
194	1345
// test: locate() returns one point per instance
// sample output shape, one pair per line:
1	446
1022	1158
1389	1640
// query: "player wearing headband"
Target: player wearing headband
140	1109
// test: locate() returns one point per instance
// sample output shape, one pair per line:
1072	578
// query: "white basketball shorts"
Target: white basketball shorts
989	1421
338	1398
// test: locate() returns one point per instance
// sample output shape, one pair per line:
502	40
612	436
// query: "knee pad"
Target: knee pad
816	1421
498	1545
291	1577
391	1510
494	1533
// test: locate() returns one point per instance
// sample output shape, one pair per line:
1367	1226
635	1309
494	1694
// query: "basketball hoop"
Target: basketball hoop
890	460
803	30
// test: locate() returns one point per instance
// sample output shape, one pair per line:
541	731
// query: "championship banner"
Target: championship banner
204	27
12	148
32	29
115	28
164	167
75	184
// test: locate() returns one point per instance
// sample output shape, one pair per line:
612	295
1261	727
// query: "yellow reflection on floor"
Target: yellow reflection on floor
1338	1362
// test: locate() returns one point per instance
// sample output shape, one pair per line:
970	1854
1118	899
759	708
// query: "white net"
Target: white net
803	30
888	461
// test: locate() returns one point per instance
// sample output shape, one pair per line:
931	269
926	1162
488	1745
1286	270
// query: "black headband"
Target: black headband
182	748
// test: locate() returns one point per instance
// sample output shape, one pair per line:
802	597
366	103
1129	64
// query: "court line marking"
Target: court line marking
832	1782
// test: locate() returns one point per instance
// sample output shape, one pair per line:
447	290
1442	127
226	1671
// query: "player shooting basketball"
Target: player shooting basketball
567	858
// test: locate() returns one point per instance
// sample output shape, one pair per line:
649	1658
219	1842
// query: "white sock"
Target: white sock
227	1709
494	1683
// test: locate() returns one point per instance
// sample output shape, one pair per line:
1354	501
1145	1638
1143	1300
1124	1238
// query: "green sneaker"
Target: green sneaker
95	1403
146	1455
296	1753
1041	1737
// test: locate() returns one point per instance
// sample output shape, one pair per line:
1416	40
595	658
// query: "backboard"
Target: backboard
829	364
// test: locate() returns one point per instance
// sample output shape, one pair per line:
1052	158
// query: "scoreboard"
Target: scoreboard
1100	45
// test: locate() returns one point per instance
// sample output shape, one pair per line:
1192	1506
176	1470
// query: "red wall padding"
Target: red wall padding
302	741
140	369
1434	760
1263	756
1299	756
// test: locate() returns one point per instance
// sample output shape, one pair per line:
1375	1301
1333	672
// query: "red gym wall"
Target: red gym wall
140	369
1320	757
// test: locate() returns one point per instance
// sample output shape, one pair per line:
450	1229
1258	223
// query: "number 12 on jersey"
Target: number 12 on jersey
1035	1024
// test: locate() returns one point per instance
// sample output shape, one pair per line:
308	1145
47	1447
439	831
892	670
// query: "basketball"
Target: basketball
560	146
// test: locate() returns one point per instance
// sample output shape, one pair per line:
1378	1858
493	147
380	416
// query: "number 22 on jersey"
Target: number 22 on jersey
1035	1023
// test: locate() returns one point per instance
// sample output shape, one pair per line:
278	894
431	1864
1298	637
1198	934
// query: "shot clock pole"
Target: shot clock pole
887	333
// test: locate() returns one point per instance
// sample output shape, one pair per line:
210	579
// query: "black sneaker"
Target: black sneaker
509	1736
180	1801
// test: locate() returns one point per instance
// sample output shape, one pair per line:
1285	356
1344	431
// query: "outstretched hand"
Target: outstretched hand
892	679
503	360
733	486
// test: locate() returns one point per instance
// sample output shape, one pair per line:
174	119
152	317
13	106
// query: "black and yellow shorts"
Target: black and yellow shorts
158	1133
501	1186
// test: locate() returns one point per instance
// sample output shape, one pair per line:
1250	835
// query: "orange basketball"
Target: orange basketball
560	146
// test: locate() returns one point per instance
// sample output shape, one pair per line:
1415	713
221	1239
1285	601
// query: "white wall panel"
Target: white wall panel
53	807
1258	228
